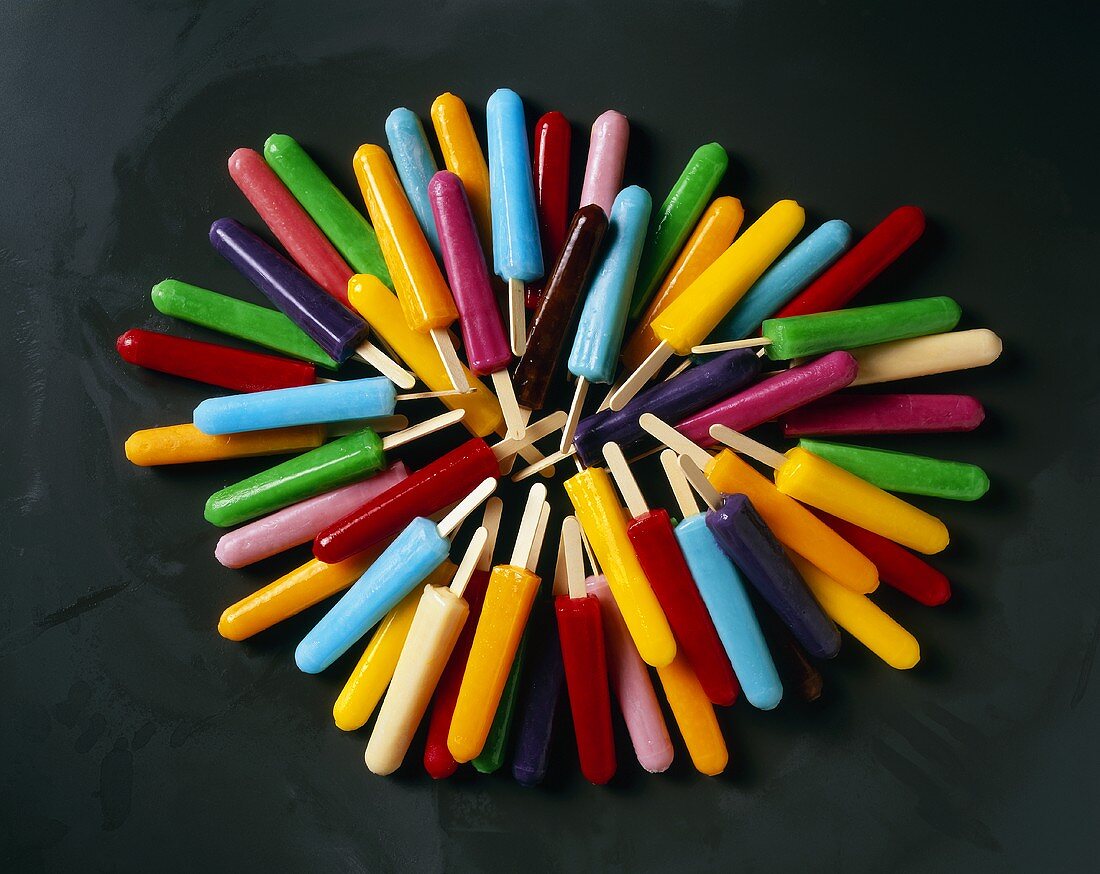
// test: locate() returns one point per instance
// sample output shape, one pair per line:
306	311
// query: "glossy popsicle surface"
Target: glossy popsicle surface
884	414
462	155
517	252
186	444
415	165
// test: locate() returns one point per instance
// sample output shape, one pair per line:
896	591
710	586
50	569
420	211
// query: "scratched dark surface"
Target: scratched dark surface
135	738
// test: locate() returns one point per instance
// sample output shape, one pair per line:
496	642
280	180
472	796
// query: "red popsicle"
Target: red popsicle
551	172
859	265
884	414
223	366
303	240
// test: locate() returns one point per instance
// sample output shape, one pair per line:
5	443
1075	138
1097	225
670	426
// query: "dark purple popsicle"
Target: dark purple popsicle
331	325
543	682
691	391
751	546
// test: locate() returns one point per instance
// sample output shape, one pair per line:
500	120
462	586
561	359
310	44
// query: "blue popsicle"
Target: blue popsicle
414	553
517	252
412	156
730	609
368	398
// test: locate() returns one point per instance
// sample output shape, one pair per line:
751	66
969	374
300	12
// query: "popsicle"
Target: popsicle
861	618
425	299
599	333
712	236
772	397
504	614
799	673
695	313
674	221
654	543
415	165
603	521
415	553
342	223
491	758
694	715
462	155
234	369
603	171
847	414
582	648
924	356
483	332
723	591
815	481
299	523
517	252
338	463
632	686
186	444
554	314
551	177
867	259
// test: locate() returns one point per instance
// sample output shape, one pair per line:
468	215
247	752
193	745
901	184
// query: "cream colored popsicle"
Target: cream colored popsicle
924	356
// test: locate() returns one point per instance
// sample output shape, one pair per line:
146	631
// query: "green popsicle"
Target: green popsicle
492	754
237	318
341	222
343	461
673	223
799	336
902	472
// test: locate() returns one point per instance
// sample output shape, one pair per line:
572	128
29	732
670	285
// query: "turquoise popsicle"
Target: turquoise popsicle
517	252
412	156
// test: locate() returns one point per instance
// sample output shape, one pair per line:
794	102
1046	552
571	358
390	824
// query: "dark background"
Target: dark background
135	738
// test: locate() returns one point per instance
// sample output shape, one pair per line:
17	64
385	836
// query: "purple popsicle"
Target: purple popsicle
885	414
774	396
542	683
603	173
751	546
671	401
331	325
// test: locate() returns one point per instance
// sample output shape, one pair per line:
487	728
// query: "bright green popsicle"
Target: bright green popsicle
237	318
671	225
343	461
341	222
799	336
492	754
902	472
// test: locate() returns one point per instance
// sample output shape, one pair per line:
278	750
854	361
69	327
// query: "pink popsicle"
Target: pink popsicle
290	224
301	522
603	173
774	396
631	684
885	414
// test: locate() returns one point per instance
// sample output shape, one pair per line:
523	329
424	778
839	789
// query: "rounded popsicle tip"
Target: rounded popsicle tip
380	761
526	775
277	143
909	217
633	197
129	345
223	227
657	759
134	447
835	232
841	366
462	749
938	538
712	154
445	184
611	122
228	627
369	153
347	718
203	418
765	696
227	554
987	345
713	762
242	160
904	654
503	98
599	776
438	762
553	118
163	290
308	659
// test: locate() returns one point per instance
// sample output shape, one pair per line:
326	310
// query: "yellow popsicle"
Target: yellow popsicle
861	618
604	522
793	525
463	156
183	444
712	236
694	715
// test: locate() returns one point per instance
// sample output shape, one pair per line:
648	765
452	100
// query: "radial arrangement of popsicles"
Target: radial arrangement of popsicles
765	563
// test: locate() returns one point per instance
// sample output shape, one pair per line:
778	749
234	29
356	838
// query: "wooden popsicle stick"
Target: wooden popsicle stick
561	583
542	465
451	363
381	425
517	317
465	507
700	483
574	416
645	372
470	559
673	439
544	426
595	565
420	429
574	557
424	395
380	361
490	521
528	525
748	343
514	419
540	535
624	479
678	482
678	369
738	442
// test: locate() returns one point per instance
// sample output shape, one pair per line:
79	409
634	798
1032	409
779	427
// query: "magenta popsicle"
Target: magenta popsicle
885	414
772	397
603	173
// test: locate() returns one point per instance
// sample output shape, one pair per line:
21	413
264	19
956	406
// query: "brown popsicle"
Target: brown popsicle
558	304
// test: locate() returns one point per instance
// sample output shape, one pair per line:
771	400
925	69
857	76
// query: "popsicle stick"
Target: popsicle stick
470	559
447	354
381	425
574	557
544	426
624	479
465	507
506	395
595	565
528	525
540	535
725	346
561	583
490	521
574	417
680	368
424	395
539	466
700	483
428	426
673	439
645	372
738	442
385	365
678	482
517	317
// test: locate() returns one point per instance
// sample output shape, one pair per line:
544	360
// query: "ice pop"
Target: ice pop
847	414
674	221
553	137
924	356
462	155
539	696
186	444
694	716
415	165
603	171
491	758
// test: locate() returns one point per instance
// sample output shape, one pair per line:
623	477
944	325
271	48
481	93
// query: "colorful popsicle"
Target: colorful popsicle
849	414
415	165
603	171
925	356
462	155
552	140
186	444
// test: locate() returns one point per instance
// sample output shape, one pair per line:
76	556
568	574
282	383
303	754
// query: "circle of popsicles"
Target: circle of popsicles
742	595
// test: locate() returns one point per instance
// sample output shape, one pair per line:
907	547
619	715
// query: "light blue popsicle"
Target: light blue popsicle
412	156
603	319
415	553
345	401
783	280
730	609
517	252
